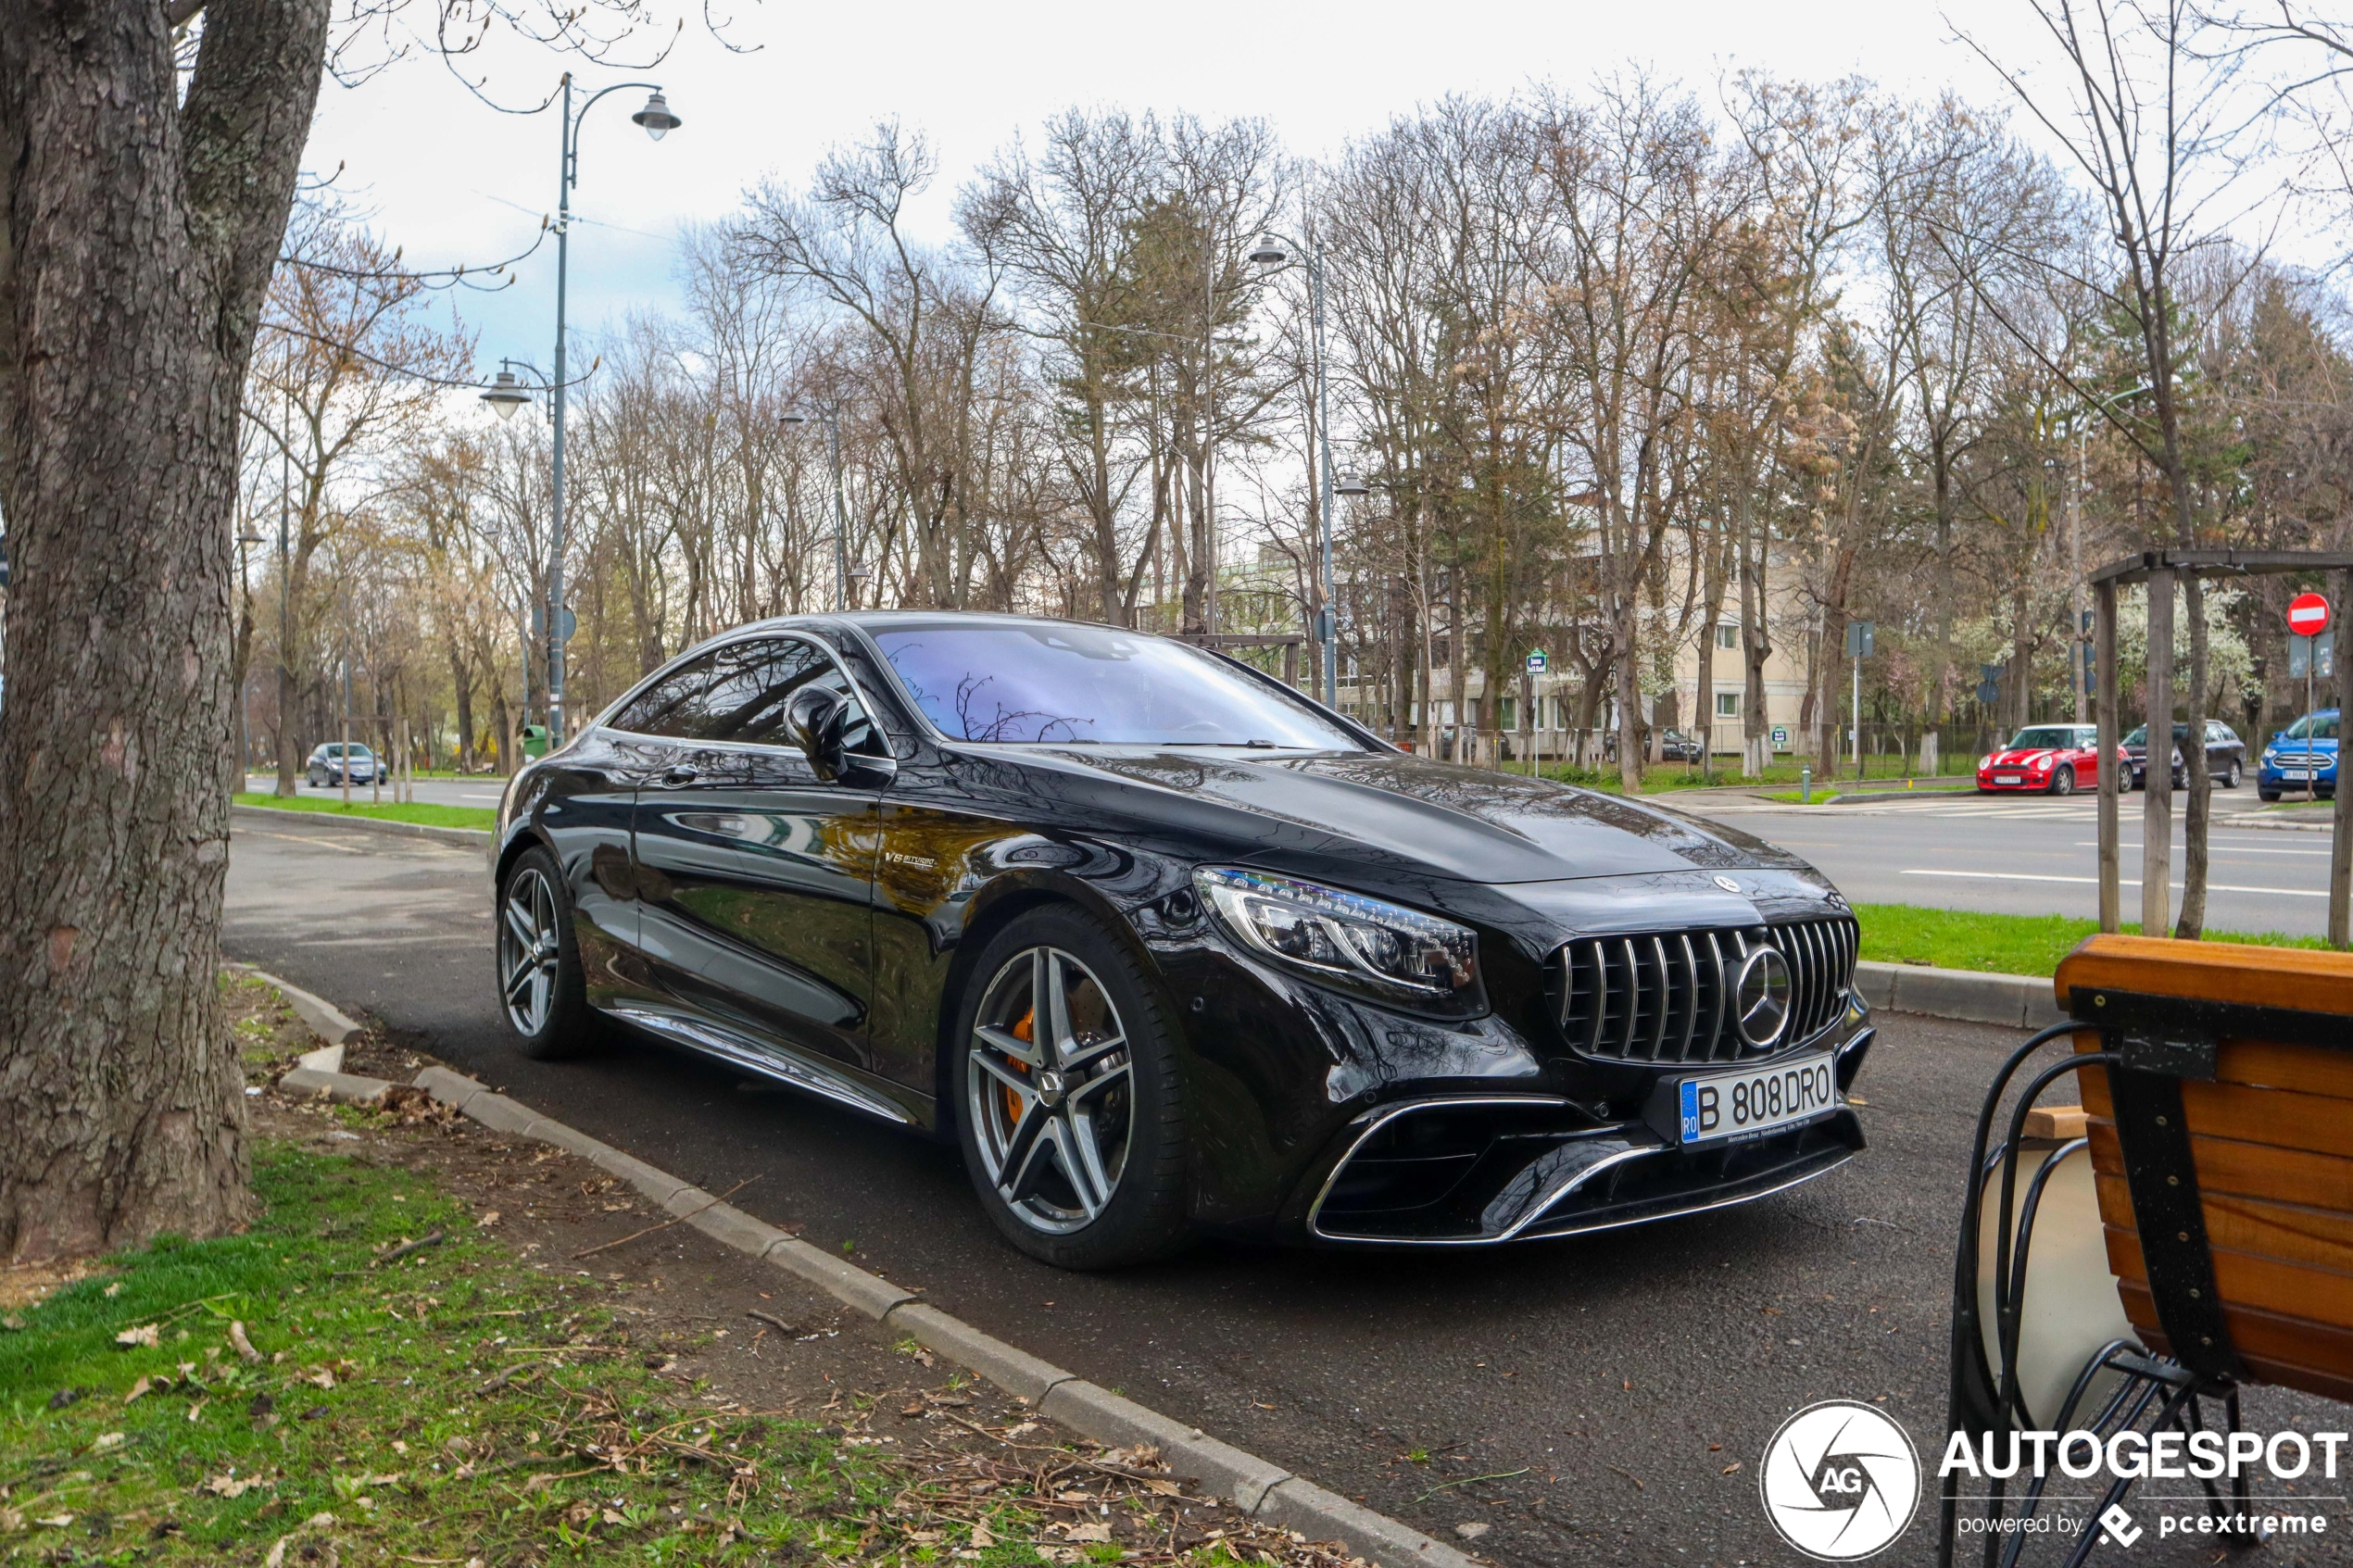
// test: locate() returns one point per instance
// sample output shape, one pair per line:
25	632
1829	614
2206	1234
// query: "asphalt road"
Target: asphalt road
2035	856
1599	1399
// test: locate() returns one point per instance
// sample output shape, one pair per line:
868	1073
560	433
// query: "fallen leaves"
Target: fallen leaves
147	1334
231	1484
243	1346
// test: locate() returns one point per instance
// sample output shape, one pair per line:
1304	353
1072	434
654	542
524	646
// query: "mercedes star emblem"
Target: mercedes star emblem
1728	884
1761	998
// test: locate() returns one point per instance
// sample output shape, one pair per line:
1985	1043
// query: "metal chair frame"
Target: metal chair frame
1982	1404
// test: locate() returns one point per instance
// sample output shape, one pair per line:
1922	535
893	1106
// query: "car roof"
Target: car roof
884	619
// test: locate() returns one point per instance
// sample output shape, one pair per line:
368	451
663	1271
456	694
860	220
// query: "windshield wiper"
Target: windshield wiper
1259	745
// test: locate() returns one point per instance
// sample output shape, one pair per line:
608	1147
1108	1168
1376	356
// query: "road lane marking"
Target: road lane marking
2218	849
2126	882
302	838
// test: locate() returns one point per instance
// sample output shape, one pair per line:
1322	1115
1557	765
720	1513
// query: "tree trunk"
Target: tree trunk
461	683
2198	809
121	1102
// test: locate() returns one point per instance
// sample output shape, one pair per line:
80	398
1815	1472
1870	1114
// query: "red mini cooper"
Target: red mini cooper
2051	759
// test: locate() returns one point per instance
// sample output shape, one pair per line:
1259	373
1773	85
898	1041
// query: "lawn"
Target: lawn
424	814
368	1374
1999	944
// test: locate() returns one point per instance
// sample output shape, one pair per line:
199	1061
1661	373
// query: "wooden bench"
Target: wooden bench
2254	1048
2203	1185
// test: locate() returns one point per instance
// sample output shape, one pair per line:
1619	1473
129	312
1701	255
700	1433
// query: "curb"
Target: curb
2276	824
470	838
1250	1482
328	1021
2018	1001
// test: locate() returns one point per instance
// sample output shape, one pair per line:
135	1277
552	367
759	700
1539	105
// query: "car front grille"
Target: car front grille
1667	996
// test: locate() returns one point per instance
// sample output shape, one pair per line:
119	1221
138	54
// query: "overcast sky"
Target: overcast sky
452	180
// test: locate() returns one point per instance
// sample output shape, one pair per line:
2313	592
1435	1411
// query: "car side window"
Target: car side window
738	693
671	705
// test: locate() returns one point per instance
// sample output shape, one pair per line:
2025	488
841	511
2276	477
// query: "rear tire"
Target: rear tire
1039	1091
540	992
2231	780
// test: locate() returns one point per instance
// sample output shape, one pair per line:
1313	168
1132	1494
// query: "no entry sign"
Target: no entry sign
2308	615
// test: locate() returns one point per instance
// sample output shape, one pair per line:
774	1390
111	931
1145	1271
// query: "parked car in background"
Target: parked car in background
2225	755
1674	746
327	765
2304	753
2049	759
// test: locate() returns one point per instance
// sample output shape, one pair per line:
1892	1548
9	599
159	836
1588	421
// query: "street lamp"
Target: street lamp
1271	254
246	538
505	395
831	418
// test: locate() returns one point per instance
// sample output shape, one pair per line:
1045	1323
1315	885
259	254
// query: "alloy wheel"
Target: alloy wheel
1051	1091
529	951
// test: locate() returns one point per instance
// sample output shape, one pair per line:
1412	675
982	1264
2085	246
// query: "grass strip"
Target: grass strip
422	814
379	1415
2001	943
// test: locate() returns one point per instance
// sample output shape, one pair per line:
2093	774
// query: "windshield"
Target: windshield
1059	684
2050	737
2314	726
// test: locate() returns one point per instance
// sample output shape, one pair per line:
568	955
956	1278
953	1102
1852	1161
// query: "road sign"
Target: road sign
1858	639
1538	663
1780	737
2303	651
2308	615
1988	691
568	623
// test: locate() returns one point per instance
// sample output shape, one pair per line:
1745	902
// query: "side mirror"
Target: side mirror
815	718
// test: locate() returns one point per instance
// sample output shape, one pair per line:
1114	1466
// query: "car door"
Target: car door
586	795
755	874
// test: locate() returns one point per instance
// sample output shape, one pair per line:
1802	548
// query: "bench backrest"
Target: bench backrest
2222	1149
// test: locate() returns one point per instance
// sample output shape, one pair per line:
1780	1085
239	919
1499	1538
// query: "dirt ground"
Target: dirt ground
736	1335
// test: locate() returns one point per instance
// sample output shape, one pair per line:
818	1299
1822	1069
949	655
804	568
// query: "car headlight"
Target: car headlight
1348	939
1983	763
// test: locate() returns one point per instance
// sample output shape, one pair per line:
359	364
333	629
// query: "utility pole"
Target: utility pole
2080	667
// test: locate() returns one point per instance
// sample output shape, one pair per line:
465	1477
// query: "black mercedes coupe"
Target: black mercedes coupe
1169	948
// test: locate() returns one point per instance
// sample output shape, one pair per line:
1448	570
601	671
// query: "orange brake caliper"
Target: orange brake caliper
1025	1031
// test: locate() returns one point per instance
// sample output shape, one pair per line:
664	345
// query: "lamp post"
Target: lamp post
831	418
245	536
657	121
1272	255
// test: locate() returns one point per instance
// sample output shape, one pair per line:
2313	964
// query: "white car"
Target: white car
327	765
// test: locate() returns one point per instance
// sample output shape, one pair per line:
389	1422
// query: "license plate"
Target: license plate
2295	774
2009	778
1741	1105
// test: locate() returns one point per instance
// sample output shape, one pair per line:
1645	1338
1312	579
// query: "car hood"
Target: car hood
2027	757
1405	814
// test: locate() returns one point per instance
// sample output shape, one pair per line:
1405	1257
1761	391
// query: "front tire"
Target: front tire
2063	781
1069	1107
540	991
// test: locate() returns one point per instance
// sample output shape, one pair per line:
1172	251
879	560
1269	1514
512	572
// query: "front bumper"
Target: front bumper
1470	1170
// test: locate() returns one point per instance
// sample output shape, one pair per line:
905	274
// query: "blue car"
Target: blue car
2304	752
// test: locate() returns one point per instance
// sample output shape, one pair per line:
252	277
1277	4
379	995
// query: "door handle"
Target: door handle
681	774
